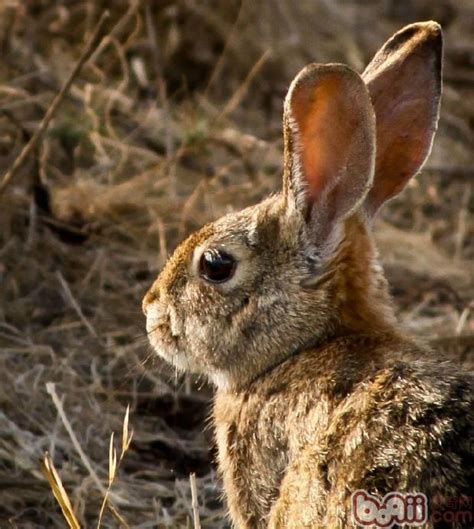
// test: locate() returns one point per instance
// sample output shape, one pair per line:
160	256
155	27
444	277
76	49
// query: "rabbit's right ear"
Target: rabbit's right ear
404	81
329	129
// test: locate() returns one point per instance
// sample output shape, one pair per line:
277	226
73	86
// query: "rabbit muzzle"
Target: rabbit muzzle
164	332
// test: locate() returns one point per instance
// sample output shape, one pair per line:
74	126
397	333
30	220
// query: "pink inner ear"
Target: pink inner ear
404	135
404	81
325	127
329	142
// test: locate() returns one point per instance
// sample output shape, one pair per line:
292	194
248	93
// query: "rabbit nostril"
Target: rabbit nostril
151	296
147	301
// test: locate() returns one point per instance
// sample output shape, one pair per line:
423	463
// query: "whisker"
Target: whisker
140	336
145	334
150	356
153	330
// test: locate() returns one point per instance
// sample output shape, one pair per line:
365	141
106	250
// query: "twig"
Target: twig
463	320
20	159
50	388
462	340
55	480
162	91
229	42
75	305
458	172
115	31
237	97
194	501
462	222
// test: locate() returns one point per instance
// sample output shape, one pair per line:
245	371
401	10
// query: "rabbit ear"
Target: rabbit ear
329	129
404	81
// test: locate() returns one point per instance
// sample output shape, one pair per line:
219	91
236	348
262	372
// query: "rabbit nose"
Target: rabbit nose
151	296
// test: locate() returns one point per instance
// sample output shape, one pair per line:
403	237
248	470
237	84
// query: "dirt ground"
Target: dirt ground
174	120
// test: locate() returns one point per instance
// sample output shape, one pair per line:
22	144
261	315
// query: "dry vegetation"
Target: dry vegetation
174	120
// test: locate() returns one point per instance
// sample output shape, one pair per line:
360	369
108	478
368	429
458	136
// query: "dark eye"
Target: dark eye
216	266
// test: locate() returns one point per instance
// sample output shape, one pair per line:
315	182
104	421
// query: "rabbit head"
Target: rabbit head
256	286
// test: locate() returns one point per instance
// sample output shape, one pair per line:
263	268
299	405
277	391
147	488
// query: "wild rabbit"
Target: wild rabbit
285	308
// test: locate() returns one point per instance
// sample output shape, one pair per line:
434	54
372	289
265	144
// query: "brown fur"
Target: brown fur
319	393
338	418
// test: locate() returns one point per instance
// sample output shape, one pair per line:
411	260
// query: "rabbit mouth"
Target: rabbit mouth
166	346
164	341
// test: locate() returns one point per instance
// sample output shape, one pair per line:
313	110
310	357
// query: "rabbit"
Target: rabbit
284	307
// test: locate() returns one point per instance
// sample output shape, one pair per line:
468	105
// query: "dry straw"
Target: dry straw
77	258
57	486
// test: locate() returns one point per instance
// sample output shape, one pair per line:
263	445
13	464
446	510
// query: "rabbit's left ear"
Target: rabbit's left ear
329	129
404	81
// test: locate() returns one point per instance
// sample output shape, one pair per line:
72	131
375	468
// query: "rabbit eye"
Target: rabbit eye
216	266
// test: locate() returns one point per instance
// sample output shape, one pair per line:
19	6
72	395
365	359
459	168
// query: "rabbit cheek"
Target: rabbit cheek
209	338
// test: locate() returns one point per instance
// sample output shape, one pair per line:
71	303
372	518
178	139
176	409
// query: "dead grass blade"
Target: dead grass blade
50	388
237	97
59	492
114	464
126	437
194	501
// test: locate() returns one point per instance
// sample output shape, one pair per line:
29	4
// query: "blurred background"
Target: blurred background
173	121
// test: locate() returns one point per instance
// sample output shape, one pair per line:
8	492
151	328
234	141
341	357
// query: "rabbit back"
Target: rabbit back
296	445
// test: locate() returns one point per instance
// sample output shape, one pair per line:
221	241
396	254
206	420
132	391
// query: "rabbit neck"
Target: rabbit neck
360	290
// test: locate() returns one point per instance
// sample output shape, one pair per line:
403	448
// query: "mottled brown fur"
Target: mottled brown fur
319	393
345	416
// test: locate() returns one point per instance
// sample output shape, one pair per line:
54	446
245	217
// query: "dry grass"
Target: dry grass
55	481
174	120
